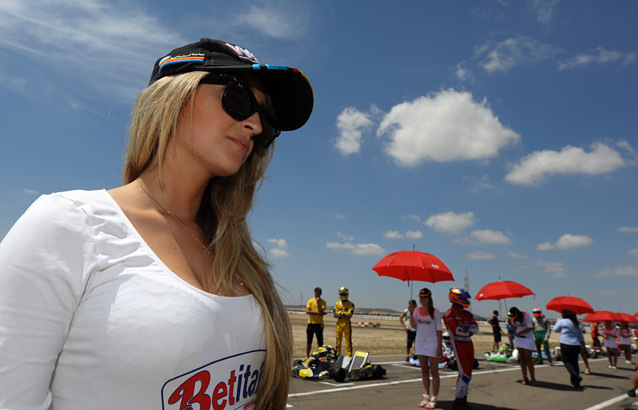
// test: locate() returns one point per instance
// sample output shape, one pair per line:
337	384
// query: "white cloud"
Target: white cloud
480	255
557	269
345	237
566	242
278	253
276	22
598	56
628	229
485	236
340	216
515	255
443	127
545	246
480	183
633	253
450	222
464	74
544	10
537	166
358	248
512	52
30	191
281	248
79	41
398	235
351	123
619	271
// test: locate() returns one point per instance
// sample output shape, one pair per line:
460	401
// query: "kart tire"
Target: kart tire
476	364
339	375
377	371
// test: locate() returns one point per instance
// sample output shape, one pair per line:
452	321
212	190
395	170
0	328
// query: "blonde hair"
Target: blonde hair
222	219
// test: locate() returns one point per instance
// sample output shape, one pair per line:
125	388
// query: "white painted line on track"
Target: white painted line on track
608	403
367	386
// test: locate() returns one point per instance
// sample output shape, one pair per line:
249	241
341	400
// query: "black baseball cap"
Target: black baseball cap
289	89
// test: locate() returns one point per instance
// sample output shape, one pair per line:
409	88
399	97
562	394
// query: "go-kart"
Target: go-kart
447	359
325	363
505	354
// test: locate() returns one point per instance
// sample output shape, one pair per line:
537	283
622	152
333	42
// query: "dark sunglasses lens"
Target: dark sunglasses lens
237	101
240	103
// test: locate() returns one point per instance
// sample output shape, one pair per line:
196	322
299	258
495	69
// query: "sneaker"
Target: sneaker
631	393
627	361
407	358
613	367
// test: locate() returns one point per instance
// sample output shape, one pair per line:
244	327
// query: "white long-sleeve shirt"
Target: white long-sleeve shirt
90	318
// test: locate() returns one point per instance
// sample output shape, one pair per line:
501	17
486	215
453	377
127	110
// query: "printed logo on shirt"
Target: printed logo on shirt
228	383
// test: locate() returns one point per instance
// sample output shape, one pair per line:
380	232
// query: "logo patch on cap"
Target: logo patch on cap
190	58
243	53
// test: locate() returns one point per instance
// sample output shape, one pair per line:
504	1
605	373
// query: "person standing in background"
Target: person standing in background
344	310
542	332
572	343
315	309
624	341
610	333
496	330
521	322
410	332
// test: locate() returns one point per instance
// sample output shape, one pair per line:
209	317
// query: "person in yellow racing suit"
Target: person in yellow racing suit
343	312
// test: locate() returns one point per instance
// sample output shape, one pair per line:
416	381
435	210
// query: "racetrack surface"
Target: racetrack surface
493	386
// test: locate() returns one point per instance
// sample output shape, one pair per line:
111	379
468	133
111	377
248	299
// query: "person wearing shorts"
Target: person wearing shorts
409	330
429	339
496	330
525	344
610	333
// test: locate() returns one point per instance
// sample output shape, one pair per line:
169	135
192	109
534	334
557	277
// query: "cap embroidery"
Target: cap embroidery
190	58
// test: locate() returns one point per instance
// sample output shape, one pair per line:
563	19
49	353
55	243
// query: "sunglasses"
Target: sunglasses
240	103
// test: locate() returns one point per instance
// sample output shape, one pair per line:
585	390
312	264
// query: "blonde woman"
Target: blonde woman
151	295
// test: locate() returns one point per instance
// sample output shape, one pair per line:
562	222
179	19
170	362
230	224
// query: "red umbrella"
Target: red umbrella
576	305
413	265
503	289
626	317
601	316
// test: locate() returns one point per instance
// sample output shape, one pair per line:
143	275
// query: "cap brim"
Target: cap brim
289	90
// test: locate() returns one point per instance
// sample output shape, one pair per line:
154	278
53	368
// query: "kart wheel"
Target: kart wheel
339	375
476	364
377	371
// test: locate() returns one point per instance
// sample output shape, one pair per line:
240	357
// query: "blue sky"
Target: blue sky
500	136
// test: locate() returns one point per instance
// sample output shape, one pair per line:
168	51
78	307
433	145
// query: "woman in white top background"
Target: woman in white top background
428	345
624	341
610	333
152	295
525	344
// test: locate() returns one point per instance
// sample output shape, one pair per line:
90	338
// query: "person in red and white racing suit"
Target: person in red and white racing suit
461	326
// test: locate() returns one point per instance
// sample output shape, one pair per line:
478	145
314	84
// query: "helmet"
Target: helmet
537	312
343	293
460	297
